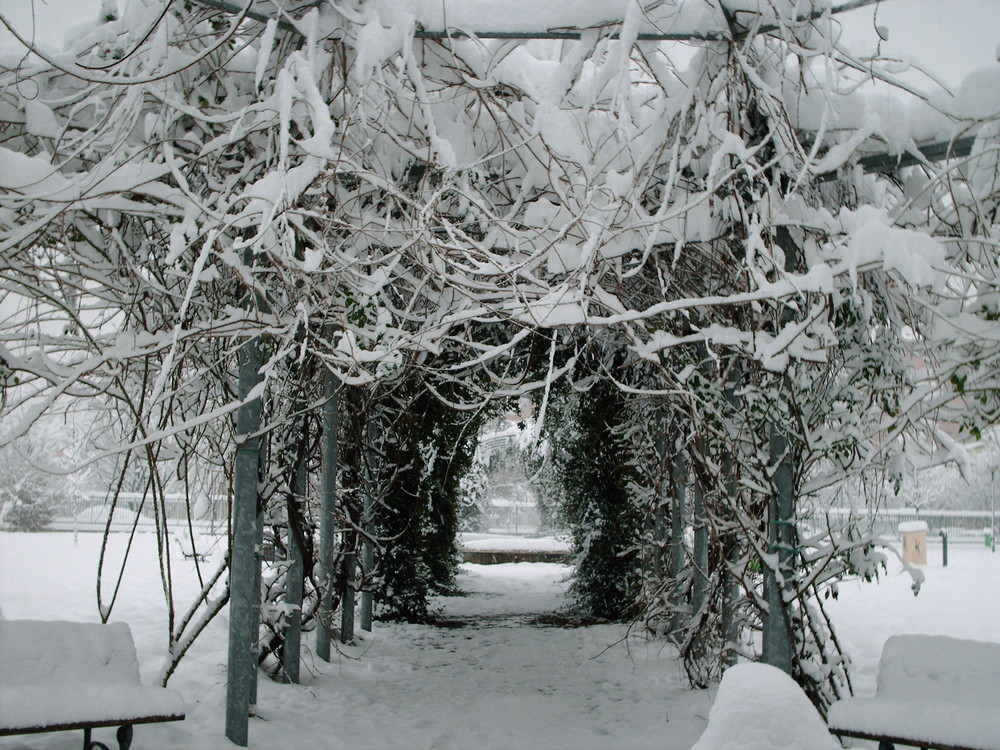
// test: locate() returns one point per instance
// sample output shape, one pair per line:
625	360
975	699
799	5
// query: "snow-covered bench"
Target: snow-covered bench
933	692
76	675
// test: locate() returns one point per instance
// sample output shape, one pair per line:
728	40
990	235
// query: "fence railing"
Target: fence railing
91	509
958	524
209	513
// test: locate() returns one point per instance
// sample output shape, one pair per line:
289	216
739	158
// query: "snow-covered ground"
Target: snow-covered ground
498	679
961	600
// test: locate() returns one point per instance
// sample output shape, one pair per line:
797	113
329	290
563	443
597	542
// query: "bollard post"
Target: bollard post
944	548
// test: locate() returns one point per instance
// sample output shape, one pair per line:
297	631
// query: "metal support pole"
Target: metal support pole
731	588
659	530
367	563
777	636
244	566
257	576
730	546
328	503
944	548
347	600
677	523
291	647
778	645
367	552
699	592
662	500
993	509
699	517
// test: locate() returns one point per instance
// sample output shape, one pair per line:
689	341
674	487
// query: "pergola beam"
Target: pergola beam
571	34
938	151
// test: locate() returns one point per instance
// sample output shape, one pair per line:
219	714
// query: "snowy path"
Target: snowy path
497	679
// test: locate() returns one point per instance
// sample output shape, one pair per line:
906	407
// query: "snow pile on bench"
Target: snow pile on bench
759	707
933	690
516	544
56	674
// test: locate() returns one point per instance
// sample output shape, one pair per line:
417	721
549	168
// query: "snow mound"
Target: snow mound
759	707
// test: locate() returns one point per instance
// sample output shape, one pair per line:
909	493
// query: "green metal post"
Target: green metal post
367	552
328	503
700	590
678	554
244	566
347	600
257	576
778	646
777	636
367	561
294	578
731	586
662	501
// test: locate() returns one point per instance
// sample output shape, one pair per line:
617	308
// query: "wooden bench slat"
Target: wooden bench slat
900	741
8	731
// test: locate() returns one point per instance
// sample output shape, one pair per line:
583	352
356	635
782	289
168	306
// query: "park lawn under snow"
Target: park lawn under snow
500	680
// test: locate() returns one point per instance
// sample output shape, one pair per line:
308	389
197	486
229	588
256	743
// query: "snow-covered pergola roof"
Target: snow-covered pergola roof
682	21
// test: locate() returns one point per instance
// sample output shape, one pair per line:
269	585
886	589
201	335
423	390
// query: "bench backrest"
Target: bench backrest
939	668
38	652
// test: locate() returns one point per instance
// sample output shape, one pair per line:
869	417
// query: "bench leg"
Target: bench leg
883	745
124	737
91	744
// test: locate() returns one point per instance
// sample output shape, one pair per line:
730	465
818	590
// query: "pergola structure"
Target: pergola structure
244	575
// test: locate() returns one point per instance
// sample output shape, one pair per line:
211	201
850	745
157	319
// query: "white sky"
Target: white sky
951	37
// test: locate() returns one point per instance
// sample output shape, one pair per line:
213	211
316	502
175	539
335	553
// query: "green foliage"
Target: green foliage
593	479
429	448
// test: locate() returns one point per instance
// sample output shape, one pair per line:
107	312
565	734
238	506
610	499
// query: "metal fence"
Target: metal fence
960	525
90	510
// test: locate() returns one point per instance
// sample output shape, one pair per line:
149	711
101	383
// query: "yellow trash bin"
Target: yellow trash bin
914	536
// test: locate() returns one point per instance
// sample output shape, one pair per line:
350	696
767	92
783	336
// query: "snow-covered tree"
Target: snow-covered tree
35	481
